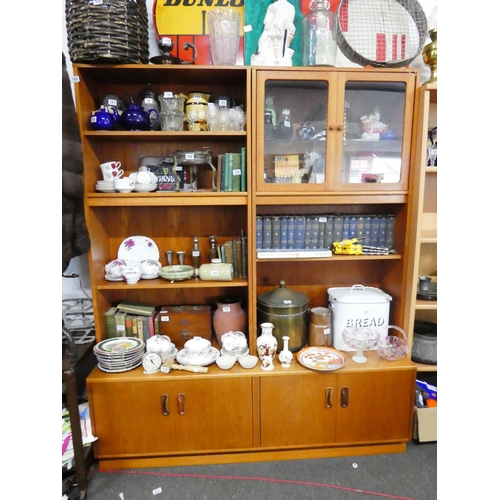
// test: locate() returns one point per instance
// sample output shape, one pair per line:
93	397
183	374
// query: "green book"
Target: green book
243	169
136	307
110	322
236	171
120	324
228	172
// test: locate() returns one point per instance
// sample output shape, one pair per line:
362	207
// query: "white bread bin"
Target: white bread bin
358	306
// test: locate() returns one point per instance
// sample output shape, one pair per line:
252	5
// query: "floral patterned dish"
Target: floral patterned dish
323	359
138	248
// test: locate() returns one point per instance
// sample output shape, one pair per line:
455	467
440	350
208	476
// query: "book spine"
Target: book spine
300	231
128	325
156	323
228	245
267	231
360	228
244	257
228	166
236	173
145	327
353	226
375	230
219	179
283	231
236	254
345	227
382	235
368	230
322	232
120	324
315	232
151	324
258	232
222	250
110	322
338	222
244	169
275	232
140	328
290	243
391	226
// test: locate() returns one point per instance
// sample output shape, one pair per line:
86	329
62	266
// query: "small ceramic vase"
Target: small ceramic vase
285	356
267	345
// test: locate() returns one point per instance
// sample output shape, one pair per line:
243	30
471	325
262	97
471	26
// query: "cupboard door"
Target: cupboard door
375	406
128	418
213	414
297	410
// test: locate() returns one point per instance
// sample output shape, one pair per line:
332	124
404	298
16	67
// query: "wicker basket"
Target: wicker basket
107	31
367	17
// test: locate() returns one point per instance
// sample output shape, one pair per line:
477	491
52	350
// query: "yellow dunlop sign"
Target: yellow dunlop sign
189	17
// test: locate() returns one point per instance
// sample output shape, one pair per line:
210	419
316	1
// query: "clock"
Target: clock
151	362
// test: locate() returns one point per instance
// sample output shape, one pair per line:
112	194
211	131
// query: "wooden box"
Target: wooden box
182	323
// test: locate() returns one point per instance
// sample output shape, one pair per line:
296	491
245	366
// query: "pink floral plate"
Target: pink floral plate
138	248
322	359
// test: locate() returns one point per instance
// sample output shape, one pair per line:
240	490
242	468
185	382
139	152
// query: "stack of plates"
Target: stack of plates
119	354
105	186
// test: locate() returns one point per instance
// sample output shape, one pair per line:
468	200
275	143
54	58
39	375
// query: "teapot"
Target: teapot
135	117
102	119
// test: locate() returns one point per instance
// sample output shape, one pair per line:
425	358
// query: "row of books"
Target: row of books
320	231
130	319
235	252
231	172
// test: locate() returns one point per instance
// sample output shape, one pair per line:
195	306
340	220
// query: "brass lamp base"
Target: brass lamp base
430	56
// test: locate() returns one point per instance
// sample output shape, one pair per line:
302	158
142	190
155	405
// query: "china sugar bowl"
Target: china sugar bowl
131	274
197	347
150	268
160	344
234	343
225	362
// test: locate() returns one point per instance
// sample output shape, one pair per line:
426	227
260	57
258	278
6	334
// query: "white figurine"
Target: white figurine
274	43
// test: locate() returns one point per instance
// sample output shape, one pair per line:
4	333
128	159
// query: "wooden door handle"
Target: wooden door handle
328	397
344	397
164	405
181	401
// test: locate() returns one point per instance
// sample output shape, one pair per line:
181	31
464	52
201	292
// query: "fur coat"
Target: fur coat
75	237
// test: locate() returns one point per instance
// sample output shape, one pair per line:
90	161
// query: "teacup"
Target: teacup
125	183
114	268
197	347
111	170
143	177
150	267
131	274
153	178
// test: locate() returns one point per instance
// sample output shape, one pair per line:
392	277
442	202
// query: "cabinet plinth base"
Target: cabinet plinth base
252	456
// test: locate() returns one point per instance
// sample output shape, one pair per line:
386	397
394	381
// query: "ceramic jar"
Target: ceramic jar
216	271
267	345
229	316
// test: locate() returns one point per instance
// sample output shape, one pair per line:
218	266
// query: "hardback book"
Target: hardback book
228	246
346	221
221	250
338	222
309	232
228	172
267	230
360	227
136	307
219	178
290	243
244	257
140	330
353	226
315	232
120	323
145	327
286	167
382	235
275	232
258	231
300	231
283	231
322	232
243	168
391	225
236	172
236	258
368	230
375	230
110	322
128	325
135	326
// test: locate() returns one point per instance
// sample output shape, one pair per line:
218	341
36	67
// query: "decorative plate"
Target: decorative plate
119	370
324	359
184	359
119	345
138	248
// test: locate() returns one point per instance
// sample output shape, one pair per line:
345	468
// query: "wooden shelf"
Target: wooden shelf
426	305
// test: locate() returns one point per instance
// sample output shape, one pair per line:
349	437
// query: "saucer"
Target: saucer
184	359
150	276
145	188
124	190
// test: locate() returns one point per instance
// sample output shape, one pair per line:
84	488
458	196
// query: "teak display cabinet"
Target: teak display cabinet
247	415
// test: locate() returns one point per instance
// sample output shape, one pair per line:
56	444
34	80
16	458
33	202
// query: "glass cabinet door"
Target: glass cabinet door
292	141
376	132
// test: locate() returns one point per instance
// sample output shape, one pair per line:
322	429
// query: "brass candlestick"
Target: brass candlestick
430	56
